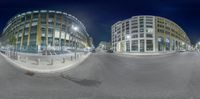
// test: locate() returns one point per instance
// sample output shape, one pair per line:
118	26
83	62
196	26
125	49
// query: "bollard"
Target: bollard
51	62
18	57
63	60
71	58
26	58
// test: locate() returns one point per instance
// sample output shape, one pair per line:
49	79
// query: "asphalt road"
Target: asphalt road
108	76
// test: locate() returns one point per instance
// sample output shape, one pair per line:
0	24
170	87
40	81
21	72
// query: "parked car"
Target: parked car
182	50
93	51
109	51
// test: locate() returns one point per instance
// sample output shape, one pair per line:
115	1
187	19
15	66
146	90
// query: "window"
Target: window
160	44
51	15
135	36
161	31
127	28
134	45
173	44
28	17
149	35
149	45
167	32
35	15
134	27
128	46
141	35
34	23
51	20
149	26
127	31
149	22
141	45
134	23
123	38
141	20
141	30
134	31
161	26
23	19
167	44
149	30
141	26
149	17
168	28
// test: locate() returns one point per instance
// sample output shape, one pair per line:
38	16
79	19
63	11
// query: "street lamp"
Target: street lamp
199	42
198	45
75	29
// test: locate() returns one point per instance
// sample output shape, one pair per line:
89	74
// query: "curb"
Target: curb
146	54
51	71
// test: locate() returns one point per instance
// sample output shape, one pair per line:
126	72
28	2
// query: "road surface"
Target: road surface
108	76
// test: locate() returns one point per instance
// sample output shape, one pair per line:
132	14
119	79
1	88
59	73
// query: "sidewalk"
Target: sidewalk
145	54
47	65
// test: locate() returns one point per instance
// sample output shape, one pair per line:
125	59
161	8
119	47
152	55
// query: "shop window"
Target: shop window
134	45
128	46
149	45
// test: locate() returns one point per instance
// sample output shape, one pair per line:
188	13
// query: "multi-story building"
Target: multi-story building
197	46
103	45
46	29
147	33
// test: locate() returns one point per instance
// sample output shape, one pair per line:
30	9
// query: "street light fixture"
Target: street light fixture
75	29
128	37
199	43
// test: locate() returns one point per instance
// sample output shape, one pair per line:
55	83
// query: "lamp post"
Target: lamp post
198	46
75	29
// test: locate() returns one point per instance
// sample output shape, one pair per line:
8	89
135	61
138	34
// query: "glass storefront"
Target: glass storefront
141	45
149	45
128	46
160	44
134	45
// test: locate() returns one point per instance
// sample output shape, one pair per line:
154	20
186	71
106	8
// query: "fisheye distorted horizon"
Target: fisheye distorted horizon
98	16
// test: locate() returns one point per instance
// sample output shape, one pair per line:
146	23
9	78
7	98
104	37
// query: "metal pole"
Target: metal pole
75	45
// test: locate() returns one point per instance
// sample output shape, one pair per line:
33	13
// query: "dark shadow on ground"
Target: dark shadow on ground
29	73
82	82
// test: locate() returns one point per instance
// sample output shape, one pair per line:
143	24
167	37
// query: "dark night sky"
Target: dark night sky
98	16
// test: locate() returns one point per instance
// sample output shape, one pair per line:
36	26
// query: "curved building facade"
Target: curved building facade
147	33
36	31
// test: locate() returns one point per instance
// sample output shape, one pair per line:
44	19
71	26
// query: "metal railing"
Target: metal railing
38	59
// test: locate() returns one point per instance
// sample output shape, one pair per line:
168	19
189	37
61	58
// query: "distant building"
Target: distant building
91	42
147	33
104	46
